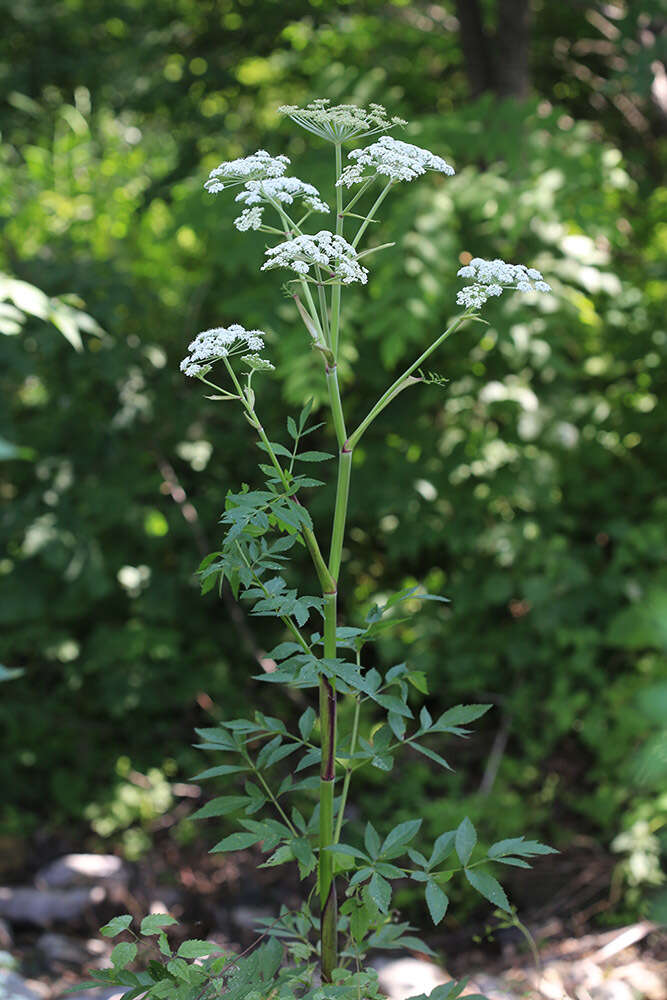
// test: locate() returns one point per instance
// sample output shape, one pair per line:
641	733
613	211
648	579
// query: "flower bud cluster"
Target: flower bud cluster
221	342
493	277
341	122
399	161
272	190
330	252
258	166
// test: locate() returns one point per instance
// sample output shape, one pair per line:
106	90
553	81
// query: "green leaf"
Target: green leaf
153	923
360	921
123	954
305	413
519	846
488	887
306	723
380	892
291	429
431	754
372	840
460	715
221	806
163	944
116	926
465	840
218	772
436	901
418	680
352	852
400	836
235	842
197	949
442	848
313	456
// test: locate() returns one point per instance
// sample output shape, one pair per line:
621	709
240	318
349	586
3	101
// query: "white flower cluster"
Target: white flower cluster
341	122
247	168
271	190
331	252
399	161
492	277
221	342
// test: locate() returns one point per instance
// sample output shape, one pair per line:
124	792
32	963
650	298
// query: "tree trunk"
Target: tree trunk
512	49
498	61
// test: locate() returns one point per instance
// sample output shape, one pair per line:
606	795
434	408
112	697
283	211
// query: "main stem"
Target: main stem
328	706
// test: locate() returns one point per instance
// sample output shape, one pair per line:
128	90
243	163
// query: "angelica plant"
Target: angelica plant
297	814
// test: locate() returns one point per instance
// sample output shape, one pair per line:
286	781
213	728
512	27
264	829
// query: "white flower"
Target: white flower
330	252
282	189
221	342
257	364
259	166
341	122
275	189
250	218
492	277
399	161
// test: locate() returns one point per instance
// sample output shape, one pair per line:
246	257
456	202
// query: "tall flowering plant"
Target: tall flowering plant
319	951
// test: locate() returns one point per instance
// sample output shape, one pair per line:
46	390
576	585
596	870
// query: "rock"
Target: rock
60	948
405	977
12	987
33	906
83	870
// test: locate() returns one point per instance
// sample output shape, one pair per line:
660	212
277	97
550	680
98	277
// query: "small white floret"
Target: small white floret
221	342
337	258
493	277
391	158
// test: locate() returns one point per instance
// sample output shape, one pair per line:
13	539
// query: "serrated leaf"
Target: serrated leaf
380	892
400	836
519	846
222	806
372	840
306	722
460	715
360	921
235	842
352	852
431	754
154	922
437	901
489	887
313	456
197	949
218	772
123	954
442	848
116	926
163	944
465	840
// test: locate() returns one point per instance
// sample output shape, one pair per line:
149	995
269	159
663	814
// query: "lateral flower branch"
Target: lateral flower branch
352	881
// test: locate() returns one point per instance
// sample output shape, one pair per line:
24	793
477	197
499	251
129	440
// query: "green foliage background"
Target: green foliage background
528	490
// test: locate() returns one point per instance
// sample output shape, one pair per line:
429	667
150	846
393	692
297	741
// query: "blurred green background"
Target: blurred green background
528	490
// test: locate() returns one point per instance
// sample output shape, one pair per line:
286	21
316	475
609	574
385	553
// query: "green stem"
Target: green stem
326	580
340	511
370	217
336	290
348	773
396	386
273	799
327	884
